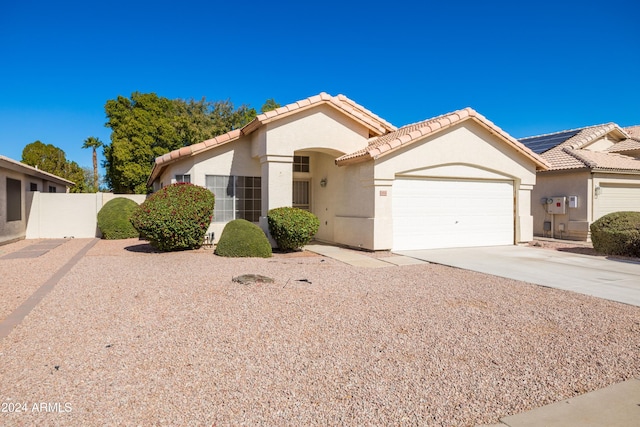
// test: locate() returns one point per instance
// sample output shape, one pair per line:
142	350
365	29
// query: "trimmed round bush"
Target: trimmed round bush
113	219
292	228
617	233
241	238
176	217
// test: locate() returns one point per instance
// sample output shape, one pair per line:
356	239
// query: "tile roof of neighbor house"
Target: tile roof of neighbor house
30	170
633	131
376	124
406	135
568	153
631	144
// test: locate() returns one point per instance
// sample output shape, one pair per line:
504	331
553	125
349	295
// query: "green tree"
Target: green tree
147	126
48	158
94	143
52	159
269	104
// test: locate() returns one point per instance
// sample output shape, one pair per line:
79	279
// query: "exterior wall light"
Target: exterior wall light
598	191
323	182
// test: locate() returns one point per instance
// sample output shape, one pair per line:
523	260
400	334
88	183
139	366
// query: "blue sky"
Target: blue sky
530	67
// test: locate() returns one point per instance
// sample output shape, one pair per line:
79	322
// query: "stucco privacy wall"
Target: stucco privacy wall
465	151
55	216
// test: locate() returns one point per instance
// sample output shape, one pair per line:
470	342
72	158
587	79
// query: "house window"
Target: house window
33	186
301	163
52	189
183	178
237	197
14	199
300	198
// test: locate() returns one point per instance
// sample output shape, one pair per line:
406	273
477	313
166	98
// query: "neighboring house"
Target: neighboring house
633	131
17	184
594	171
452	181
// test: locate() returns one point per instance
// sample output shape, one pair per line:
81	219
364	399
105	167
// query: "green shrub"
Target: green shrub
113	219
292	228
617	233
176	217
241	238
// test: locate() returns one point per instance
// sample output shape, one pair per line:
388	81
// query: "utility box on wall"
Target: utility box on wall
557	205
573	201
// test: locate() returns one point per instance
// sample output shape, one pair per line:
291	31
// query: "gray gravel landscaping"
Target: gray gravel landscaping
133	337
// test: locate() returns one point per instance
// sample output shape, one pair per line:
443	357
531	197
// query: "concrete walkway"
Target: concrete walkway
358	259
608	278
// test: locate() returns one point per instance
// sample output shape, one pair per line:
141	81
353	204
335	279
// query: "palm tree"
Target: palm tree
94	143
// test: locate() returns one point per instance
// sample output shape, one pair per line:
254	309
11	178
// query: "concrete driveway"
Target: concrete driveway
616	280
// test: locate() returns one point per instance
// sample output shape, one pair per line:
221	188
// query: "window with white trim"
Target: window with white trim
237	197
183	178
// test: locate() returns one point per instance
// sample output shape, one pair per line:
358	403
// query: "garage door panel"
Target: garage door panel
617	198
447	213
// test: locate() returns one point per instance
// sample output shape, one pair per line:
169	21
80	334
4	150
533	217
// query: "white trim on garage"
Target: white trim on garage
433	213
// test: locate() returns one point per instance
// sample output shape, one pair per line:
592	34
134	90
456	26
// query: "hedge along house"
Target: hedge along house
594	171
18	182
455	180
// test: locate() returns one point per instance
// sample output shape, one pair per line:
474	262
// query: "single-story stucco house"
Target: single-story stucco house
451	181
594	171
17	184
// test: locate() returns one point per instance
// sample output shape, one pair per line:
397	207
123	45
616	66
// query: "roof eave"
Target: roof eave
22	167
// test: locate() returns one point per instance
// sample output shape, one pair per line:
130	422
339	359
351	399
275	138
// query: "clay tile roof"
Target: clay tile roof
633	131
603	160
340	102
625	145
568	152
406	135
376	124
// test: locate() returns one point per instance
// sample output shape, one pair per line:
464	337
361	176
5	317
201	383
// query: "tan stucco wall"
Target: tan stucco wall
464	151
320	129
563	183
581	183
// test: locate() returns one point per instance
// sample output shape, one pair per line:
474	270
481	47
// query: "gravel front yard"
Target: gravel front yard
132	337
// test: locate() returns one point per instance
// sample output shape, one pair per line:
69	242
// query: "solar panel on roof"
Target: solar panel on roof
540	144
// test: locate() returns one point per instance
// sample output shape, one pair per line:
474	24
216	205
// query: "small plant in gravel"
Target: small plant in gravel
176	217
617	233
292	228
241	238
114	219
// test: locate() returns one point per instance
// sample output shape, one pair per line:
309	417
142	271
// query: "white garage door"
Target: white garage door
617	198
433	213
